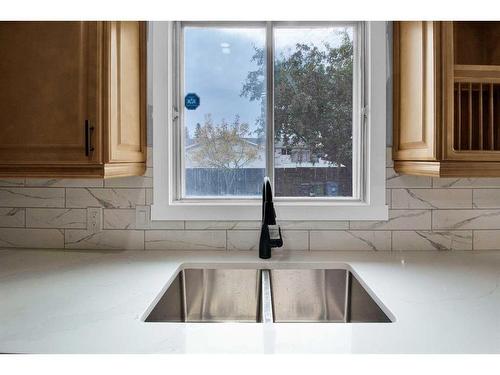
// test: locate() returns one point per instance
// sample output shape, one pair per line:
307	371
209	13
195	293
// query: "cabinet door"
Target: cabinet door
125	87
472	91
416	90
48	83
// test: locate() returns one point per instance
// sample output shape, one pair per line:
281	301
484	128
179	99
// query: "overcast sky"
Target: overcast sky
217	61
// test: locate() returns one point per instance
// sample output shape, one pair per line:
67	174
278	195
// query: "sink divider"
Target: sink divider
347	303
266	299
183	296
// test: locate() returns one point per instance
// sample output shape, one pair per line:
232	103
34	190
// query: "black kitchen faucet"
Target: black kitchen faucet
270	233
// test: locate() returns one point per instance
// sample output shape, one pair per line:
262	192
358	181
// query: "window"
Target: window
224	138
306	74
290	100
315	113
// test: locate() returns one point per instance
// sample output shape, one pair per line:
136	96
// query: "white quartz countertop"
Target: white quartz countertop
95	302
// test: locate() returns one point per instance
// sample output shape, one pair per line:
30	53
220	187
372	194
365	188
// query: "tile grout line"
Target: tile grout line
308	240
392	241
472	239
225	238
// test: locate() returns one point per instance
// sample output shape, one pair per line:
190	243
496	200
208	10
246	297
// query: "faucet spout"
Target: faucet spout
270	233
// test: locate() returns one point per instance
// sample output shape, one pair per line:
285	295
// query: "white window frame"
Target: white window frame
368	205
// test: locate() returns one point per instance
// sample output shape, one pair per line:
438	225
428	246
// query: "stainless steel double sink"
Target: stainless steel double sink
261	295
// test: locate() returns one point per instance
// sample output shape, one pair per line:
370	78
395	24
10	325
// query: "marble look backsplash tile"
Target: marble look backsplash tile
31	197
425	214
398	219
311	225
106	239
106	198
229	225
393	180
486	198
431	198
32	238
11	182
295	240
486	239
64	182
56	218
119	218
466	219
185	240
145	181
464	183
12	217
243	240
432	240
350	240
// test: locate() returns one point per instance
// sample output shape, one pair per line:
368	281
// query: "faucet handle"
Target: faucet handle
275	238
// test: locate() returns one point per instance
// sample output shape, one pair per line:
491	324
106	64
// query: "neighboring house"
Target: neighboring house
293	166
297	156
192	147
284	157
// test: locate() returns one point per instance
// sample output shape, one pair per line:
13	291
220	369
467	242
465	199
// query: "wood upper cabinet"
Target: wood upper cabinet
416	90
47	73
73	99
447	98
125	110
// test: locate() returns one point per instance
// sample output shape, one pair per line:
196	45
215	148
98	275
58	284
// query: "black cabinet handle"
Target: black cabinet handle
88	138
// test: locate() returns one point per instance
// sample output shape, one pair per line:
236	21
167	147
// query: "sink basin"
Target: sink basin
309	295
322	295
210	295
261	295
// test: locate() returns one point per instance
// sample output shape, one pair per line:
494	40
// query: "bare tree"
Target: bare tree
225	147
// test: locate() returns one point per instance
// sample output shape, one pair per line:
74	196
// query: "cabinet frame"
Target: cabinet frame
115	147
426	81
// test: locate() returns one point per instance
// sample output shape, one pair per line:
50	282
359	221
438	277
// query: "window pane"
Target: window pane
224	137
313	106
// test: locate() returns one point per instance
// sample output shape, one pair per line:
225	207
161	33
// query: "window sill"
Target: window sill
290	211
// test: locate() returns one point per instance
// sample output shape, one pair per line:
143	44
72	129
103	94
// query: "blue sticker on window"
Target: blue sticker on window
191	101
